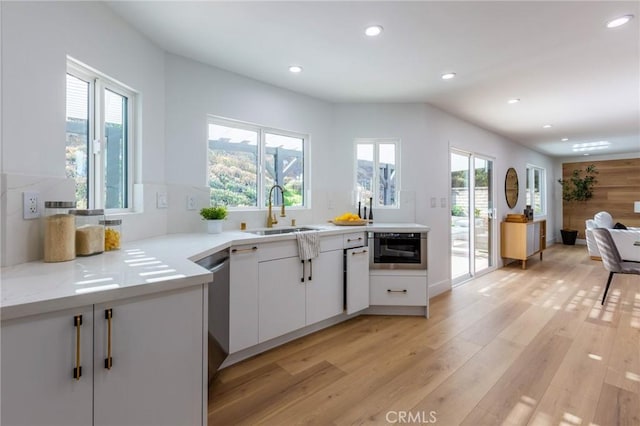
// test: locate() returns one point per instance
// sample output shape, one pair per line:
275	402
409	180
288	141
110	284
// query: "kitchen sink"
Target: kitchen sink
281	231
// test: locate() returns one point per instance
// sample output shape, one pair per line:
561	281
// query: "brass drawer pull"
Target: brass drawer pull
359	252
254	248
77	371
108	362
396	291
356	239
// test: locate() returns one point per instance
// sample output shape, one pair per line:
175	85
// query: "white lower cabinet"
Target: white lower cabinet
38	361
325	291
156	371
243	297
357	276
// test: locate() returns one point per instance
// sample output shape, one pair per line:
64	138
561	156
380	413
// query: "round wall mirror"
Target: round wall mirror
511	187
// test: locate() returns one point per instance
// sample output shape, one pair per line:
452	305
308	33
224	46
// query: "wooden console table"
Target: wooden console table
522	240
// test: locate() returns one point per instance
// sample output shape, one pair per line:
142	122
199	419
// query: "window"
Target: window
245	161
377	174
536	190
98	139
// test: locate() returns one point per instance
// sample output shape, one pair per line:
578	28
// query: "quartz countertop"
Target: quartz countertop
138	268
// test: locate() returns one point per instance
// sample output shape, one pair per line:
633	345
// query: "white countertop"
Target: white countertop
139	267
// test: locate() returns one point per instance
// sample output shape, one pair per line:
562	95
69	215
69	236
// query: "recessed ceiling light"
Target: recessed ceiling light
448	75
373	30
590	146
619	21
513	101
564	139
547	126
586	153
295	69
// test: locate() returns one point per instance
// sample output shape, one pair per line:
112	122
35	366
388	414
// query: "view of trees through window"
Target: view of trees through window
237	153
110	169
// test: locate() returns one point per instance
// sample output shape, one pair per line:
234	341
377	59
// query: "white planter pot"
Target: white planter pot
214	226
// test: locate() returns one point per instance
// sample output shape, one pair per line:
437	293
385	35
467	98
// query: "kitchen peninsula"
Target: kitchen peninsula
132	319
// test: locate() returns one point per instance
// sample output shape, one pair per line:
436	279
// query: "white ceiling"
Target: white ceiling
567	68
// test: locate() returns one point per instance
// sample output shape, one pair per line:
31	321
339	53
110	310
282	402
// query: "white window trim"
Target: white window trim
98	82
376	168
543	188
261	131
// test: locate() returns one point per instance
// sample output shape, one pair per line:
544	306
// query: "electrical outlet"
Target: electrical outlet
161	200
30	209
191	202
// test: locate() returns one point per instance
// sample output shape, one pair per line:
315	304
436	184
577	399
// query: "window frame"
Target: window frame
261	197
98	84
376	142
530	191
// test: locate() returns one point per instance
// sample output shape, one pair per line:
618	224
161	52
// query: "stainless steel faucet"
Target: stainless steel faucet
271	217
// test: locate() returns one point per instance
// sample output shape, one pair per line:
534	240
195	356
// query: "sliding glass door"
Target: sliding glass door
472	215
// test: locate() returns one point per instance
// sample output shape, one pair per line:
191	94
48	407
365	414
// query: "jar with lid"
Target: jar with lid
89	231
59	231
112	233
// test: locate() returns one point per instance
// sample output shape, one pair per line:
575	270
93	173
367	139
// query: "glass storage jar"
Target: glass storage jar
89	231
112	234
59	231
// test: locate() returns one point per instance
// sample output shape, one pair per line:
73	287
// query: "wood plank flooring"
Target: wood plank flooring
512	347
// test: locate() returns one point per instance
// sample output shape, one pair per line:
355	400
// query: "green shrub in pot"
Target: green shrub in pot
214	213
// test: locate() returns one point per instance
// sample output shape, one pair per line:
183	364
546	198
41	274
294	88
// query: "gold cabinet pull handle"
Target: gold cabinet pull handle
354	239
108	362
358	252
77	371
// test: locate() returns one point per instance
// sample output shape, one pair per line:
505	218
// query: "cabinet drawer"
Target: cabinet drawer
354	239
331	243
277	250
398	290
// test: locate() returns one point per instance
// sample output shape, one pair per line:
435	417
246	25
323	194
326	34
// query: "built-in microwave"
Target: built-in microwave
398	250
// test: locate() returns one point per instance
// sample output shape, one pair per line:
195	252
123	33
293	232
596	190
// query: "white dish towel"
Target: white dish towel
308	245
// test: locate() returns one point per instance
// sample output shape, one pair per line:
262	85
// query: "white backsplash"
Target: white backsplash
22	239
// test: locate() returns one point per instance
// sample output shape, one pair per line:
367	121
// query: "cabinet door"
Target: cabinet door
38	361
156	376
531	236
325	290
243	298
357	275
281	297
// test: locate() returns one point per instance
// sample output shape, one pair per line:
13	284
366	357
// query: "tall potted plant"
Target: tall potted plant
577	188
214	217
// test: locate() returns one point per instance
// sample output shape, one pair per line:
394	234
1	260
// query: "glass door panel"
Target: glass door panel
483	214
460	214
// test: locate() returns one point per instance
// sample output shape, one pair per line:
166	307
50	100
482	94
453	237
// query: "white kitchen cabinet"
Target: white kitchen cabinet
282	296
325	291
156	375
38	359
243	297
357	279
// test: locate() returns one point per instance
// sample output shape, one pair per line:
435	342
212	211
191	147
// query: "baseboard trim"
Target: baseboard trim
439	288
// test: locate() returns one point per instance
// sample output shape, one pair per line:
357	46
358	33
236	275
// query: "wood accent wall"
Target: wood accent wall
617	188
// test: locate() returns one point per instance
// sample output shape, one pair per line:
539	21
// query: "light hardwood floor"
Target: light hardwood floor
512	347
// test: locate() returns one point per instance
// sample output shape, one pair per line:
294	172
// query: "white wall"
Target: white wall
193	91
36	38
426	134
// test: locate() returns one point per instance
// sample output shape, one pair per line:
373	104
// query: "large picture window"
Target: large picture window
245	161
536	190
377	172
99	129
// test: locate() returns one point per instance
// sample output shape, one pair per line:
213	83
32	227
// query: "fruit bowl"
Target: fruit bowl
358	222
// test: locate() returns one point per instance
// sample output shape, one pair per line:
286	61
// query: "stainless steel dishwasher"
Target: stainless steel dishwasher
218	320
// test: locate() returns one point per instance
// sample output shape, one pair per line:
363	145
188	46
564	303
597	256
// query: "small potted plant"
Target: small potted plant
214	217
577	188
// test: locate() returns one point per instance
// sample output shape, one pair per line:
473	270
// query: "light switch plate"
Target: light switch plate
191	202
434	202
161	200
443	202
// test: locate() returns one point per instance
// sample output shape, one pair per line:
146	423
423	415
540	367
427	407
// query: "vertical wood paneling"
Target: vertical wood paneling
617	188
